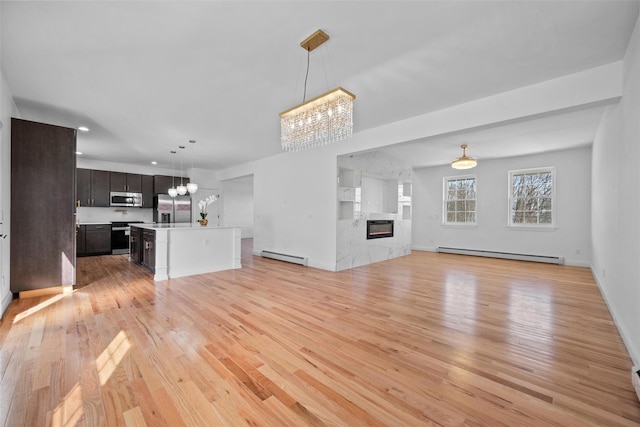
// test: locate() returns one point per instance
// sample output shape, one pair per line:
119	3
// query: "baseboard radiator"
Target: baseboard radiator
505	255
284	257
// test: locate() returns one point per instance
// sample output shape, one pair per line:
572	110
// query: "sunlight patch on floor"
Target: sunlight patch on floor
111	357
36	308
69	411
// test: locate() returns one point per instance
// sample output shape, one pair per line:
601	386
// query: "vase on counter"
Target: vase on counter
203	221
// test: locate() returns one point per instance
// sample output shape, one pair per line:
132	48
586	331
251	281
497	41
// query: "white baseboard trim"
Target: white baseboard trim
626	338
575	263
6	300
423	248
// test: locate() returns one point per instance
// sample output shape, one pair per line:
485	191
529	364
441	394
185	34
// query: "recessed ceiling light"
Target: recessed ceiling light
83	128
79	153
154	163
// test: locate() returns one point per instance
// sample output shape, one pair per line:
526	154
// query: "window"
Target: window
460	200
531	197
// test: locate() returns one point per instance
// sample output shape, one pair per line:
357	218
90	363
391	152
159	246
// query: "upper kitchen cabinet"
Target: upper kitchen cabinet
162	183
128	182
43	225
93	187
147	191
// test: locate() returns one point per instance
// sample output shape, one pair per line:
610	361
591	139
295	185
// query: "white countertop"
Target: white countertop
178	226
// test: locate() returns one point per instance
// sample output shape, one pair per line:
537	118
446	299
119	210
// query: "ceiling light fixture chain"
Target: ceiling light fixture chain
173	192
182	189
306	76
192	187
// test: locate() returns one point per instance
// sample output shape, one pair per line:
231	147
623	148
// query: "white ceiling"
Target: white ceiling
148	76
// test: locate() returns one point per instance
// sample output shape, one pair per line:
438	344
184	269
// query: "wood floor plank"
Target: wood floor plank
426	339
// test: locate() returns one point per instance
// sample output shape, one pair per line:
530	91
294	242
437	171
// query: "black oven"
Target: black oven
120	236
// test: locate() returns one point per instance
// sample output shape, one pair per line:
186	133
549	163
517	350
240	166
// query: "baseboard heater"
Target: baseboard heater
284	257
505	255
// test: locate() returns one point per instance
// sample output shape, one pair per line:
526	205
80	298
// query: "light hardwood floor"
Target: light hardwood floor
427	339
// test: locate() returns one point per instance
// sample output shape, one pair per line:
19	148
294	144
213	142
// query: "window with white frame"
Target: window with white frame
532	197
460	200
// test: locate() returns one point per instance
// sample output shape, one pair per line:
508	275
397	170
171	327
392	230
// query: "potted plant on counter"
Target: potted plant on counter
202	204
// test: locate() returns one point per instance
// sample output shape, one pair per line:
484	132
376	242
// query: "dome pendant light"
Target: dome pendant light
172	191
464	162
192	187
182	190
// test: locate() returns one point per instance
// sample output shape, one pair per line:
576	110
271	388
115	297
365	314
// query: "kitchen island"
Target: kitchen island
177	250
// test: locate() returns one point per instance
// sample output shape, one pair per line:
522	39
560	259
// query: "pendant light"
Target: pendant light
464	162
182	190
173	192
192	187
322	120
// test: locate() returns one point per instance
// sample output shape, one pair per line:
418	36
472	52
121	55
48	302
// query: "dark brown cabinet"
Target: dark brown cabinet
162	183
149	250
97	239
129	182
81	248
147	191
92	188
43	224
135	246
83	187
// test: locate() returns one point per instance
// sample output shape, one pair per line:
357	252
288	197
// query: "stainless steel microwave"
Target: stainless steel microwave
126	199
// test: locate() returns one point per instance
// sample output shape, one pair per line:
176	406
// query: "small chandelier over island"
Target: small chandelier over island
182	189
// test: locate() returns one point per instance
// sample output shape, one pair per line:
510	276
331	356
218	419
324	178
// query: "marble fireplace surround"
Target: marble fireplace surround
372	186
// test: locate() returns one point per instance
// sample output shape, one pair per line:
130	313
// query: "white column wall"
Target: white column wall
615	203
7	110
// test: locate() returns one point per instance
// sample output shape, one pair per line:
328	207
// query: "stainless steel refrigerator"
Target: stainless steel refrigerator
167	209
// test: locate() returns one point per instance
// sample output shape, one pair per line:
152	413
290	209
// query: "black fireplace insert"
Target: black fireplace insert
377	229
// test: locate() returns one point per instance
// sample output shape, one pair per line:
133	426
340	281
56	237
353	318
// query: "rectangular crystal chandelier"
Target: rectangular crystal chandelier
322	120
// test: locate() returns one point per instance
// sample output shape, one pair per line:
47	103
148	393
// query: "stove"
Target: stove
120	232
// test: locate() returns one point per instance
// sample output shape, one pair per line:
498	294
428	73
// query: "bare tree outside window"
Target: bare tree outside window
531	201
460	200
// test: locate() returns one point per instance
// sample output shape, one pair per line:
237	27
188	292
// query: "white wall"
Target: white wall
571	238
7	110
294	204
238	204
616	206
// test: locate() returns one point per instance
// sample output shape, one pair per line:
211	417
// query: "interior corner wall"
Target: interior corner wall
570	240
7	110
294	204
238	205
615	227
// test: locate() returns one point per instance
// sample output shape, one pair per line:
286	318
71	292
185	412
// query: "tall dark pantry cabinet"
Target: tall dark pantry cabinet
43	174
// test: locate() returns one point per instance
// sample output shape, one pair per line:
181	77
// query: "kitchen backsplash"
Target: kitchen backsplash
106	215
